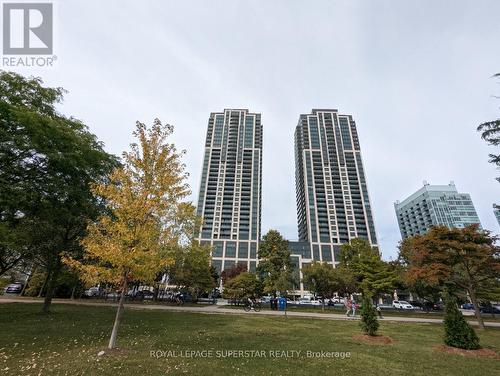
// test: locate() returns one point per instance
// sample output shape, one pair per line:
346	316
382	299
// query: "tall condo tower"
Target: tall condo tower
231	188
333	205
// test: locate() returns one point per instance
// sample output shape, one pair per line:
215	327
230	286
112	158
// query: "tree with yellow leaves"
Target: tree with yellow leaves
146	216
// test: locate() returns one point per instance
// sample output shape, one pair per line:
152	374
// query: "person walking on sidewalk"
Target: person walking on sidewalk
348	305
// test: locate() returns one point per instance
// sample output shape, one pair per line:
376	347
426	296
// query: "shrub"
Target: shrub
457	332
369	322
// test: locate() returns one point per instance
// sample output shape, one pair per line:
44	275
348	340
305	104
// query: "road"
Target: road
220	310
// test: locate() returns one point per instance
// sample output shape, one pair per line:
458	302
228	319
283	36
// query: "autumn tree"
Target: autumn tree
275	265
466	260
373	275
319	278
143	196
424	289
233	272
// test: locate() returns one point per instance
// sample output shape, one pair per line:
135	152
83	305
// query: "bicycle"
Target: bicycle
179	300
256	306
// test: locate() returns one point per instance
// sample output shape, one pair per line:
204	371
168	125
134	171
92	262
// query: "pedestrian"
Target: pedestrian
353	308
379	311
348	304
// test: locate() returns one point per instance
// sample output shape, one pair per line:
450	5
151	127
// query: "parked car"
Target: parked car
265	299
489	309
309	302
140	294
14	288
401	304
439	306
467	306
417	304
92	292
112	295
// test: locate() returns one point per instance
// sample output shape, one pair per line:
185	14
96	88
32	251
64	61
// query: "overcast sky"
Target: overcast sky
414	74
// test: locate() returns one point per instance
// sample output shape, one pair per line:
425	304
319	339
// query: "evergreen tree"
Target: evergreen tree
457	332
369	322
490	132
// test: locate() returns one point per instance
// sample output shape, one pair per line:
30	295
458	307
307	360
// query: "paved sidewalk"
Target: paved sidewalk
214	309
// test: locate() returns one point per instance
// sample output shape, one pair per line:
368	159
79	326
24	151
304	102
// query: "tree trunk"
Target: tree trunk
40	293
119	314
24	288
51	285
477	311
73	293
28	280
156	292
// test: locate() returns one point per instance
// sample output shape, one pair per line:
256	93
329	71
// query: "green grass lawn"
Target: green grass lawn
68	340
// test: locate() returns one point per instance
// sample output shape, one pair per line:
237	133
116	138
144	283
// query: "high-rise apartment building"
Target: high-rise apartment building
333	205
231	188
435	205
496	211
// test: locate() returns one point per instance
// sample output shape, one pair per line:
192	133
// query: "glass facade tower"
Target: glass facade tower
496	211
435	205
230	194
333	205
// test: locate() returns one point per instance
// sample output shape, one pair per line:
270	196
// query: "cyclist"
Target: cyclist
251	302
179	298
